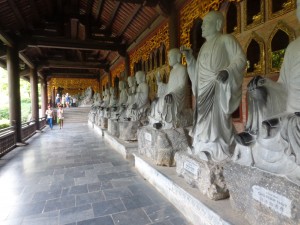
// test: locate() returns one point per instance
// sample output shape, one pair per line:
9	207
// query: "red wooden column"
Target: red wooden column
14	91
44	95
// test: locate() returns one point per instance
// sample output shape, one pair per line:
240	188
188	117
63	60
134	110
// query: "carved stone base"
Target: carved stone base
113	127
103	122
261	197
161	145
128	130
206	176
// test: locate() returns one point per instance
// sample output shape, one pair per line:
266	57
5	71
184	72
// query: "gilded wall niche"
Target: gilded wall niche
143	52
117	72
254	13
279	7
104	83
278	41
233	18
255	51
73	86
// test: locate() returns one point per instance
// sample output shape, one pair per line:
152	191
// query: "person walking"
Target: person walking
49	114
60	116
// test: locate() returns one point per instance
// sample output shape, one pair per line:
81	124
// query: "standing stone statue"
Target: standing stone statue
275	147
141	99
171	100
121	106
217	77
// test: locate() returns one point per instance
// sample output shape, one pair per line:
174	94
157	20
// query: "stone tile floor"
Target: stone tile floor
71	176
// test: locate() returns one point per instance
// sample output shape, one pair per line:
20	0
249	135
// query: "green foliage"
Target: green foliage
277	58
4	113
4	124
25	111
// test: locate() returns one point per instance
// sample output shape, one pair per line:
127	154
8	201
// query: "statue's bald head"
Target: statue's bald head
218	17
176	52
140	76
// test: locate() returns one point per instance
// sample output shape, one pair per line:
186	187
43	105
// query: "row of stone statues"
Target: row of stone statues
271	141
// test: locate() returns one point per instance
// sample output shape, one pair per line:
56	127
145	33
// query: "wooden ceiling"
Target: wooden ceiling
75	38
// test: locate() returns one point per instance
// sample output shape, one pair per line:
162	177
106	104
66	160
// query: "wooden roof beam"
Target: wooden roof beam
113	16
99	10
72	44
16	12
34	10
6	39
73	75
71	64
25	59
129	19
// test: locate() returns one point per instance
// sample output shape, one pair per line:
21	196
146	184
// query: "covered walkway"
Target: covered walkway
71	176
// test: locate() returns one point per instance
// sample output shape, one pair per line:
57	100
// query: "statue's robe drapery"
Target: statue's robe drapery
141	100
216	101
176	86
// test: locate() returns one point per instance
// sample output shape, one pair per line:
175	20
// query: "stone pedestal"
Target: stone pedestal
206	176
161	145
113	127
103	123
128	130
261	197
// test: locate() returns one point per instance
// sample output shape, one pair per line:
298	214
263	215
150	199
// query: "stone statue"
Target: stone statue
87	97
217	78
141	101
121	106
276	146
172	96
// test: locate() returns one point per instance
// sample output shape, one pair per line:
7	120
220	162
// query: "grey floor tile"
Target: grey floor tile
22	210
117	193
89	198
106	220
108	207
159	213
65	172
50	218
60	203
74	214
136	217
136	201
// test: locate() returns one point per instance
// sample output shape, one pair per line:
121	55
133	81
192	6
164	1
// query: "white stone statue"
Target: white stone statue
87	97
276	146
123	97
217	77
113	98
172	96
141	100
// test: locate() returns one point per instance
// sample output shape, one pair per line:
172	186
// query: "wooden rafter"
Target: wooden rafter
72	44
71	64
6	39
113	15
26	60
17	13
34	10
99	10
129	19
89	6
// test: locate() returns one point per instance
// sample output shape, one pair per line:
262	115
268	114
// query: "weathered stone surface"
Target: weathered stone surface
128	130
161	145
103	122
113	127
207	176
261	197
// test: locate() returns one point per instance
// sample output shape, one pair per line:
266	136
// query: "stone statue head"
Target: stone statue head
174	56
106	91
140	77
131	81
212	24
112	90
122	85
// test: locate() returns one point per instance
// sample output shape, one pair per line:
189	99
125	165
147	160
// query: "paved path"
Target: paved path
71	176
